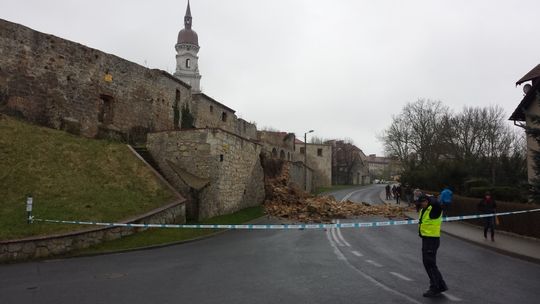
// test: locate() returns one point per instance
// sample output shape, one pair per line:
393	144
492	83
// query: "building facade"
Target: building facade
349	166
523	115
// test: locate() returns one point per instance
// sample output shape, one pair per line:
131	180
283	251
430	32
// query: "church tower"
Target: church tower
187	48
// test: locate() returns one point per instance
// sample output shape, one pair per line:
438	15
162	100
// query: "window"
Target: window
282	154
188	63
105	109
302	150
211	109
274	153
221	157
319	152
223	116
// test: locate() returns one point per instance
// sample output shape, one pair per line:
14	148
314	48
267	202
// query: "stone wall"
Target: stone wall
40	247
210	113
246	129
319	158
62	84
221	171
277	144
296	176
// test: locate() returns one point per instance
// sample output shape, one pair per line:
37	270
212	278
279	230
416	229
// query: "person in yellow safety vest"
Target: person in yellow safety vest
429	229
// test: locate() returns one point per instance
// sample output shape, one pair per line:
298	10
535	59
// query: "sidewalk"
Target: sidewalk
508	243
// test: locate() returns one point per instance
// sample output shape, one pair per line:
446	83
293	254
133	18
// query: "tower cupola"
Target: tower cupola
187	48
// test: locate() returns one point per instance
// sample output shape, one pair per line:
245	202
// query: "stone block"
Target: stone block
15	247
29	247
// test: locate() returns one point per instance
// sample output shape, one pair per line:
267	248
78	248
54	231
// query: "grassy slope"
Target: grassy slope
70	178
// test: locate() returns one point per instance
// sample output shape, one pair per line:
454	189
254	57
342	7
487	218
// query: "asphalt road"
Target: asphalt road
372	265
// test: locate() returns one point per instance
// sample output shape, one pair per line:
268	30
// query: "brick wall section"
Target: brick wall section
59	83
41	247
229	162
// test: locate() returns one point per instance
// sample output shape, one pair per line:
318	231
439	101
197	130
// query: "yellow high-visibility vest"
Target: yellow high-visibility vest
430	227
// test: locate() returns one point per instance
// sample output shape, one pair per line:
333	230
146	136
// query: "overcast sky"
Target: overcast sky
340	67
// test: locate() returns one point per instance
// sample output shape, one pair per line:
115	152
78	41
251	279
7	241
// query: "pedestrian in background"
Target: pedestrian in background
486	206
408	194
398	194
429	229
393	191
388	194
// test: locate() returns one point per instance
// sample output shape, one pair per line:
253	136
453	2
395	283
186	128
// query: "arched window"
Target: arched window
274	153
188	63
282	154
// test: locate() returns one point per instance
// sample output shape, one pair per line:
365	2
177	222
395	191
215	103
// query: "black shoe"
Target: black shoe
431	293
445	288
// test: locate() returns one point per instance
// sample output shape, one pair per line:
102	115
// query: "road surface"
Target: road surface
371	265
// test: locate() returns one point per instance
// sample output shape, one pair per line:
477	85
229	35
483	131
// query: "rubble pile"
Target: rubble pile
292	203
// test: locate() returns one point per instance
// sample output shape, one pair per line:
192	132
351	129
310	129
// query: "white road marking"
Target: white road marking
338	253
374	263
356	253
346	197
334	236
451	297
399	275
341	237
340	256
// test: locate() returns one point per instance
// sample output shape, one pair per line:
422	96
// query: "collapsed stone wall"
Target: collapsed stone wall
65	85
219	170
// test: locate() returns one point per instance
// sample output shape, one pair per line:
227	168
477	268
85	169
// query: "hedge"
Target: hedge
527	224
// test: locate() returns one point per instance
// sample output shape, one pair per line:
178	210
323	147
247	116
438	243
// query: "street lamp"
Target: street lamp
305	159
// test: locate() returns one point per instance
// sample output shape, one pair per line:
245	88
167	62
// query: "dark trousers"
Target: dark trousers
489	223
429	258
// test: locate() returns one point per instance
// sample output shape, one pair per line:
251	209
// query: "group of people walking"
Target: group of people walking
398	193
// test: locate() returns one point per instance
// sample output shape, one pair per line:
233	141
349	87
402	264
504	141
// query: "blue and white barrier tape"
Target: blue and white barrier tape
284	226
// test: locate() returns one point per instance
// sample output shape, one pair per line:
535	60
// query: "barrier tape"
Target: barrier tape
282	226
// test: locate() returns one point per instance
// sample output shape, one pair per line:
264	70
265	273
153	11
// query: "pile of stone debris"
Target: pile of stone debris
294	204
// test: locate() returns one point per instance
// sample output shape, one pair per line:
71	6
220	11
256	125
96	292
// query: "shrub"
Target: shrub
509	194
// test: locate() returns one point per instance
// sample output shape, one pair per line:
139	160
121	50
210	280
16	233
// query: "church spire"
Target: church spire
187	17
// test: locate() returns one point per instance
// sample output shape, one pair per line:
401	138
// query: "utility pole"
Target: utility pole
305	159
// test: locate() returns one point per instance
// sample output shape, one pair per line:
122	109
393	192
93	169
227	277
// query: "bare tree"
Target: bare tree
416	134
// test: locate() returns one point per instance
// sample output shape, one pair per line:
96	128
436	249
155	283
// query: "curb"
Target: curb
486	246
499	250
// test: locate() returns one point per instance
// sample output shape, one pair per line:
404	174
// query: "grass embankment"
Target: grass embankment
160	236
69	177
